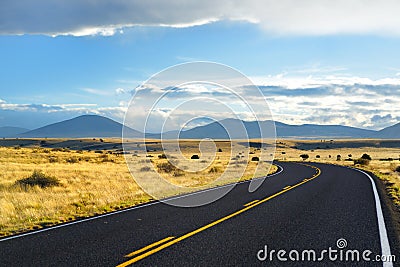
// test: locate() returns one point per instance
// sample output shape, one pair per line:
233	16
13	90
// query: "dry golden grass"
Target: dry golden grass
384	161
94	183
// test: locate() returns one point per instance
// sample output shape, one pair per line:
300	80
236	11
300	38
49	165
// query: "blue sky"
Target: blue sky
59	68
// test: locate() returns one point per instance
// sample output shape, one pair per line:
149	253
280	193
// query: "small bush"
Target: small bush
219	150
304	156
72	160
167	167
338	158
38	179
214	170
145	169
162	156
255	159
361	161
366	156
318	156
53	159
397	169
106	158
195	157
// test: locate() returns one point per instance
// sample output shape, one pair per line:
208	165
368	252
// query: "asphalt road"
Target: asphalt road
302	208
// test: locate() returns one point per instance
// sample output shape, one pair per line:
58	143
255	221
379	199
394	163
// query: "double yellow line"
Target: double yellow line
169	241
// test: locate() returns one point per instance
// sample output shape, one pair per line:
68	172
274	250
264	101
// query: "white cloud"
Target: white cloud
97	91
120	91
287	17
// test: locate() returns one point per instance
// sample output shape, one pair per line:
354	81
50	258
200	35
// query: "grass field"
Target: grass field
99	181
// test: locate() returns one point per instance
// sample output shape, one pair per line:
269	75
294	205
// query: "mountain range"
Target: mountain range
98	126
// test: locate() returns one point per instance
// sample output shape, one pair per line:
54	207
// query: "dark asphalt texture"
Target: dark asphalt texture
337	204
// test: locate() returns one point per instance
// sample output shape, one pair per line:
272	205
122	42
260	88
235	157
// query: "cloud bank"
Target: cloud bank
287	17
351	101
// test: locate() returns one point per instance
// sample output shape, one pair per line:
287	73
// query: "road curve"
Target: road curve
304	207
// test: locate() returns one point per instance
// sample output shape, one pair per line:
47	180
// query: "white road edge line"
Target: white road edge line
385	246
135	207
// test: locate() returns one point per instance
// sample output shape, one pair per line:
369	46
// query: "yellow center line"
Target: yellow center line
149	246
250	203
286	187
172	242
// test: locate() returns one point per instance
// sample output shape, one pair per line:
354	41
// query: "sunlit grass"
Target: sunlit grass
92	183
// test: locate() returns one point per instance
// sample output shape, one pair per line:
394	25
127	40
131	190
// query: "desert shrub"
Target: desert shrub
40	179
214	169
178	173
79	151
397	169
162	156
283	152
101	140
304	156
255	159
361	161
72	160
318	156
349	155
219	150
167	167
53	159
145	169
106	158
195	157
366	156
99	151
338	158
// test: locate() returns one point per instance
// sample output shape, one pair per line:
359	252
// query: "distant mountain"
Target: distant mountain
226	129
392	132
82	126
323	131
98	126
238	129
8	131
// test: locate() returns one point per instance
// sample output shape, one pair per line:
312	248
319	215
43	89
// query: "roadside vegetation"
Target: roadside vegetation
379	157
40	186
